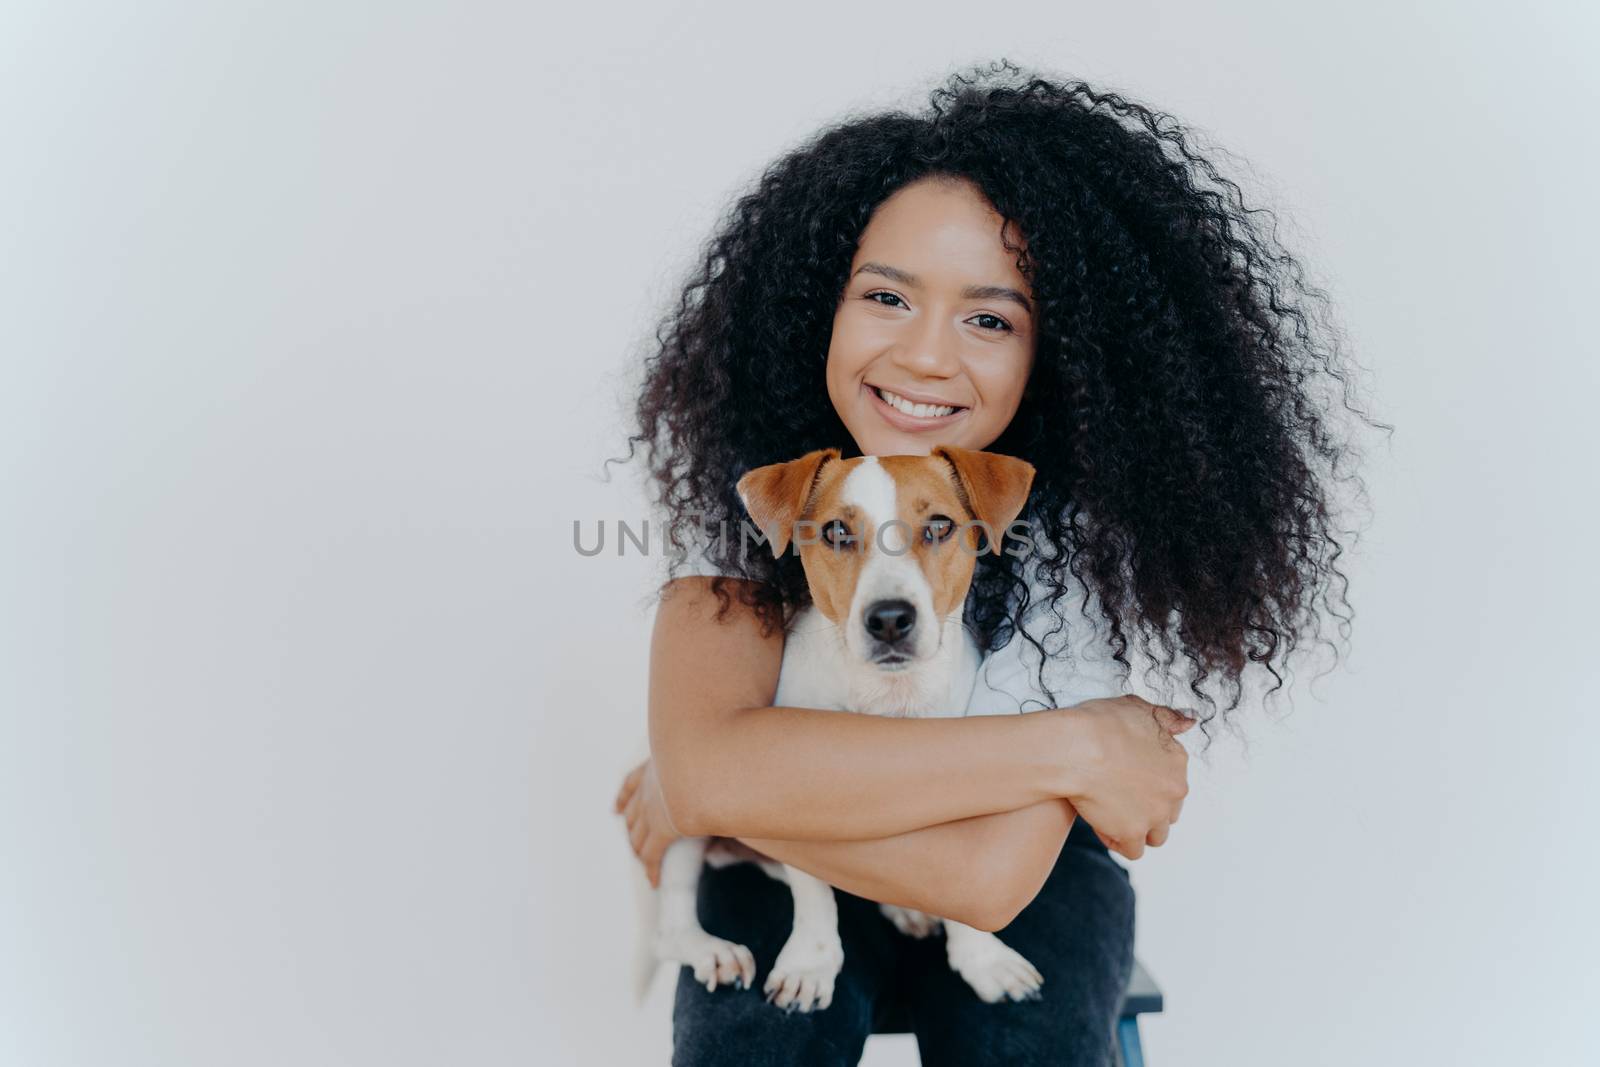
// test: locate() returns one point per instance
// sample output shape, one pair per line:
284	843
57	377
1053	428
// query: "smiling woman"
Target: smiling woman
942	352
1049	273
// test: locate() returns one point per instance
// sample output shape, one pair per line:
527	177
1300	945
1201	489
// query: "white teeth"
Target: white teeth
920	411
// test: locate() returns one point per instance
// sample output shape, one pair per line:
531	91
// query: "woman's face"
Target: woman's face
933	339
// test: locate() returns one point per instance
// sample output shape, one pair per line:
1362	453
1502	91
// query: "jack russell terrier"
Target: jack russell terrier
889	547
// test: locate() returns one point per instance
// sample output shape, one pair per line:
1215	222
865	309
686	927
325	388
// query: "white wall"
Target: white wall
314	317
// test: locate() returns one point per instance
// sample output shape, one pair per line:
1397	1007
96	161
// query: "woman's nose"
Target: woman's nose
933	352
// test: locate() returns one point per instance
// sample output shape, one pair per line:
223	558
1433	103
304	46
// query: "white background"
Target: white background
316	325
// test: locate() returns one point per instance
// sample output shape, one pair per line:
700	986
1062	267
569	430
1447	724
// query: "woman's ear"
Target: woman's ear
995	487
776	495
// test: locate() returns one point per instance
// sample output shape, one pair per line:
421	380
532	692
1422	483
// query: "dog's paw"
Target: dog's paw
802	976
714	961
909	922
994	969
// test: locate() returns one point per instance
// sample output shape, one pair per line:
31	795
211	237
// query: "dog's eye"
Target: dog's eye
836	535
939	529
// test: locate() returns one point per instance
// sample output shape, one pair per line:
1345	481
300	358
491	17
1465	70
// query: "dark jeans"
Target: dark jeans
1078	932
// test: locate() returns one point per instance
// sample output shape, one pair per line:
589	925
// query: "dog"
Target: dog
890	553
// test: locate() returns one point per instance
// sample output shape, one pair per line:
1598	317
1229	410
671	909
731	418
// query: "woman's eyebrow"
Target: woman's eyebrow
971	292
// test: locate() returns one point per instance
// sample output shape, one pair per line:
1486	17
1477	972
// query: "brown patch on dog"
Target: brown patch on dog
800	499
776	495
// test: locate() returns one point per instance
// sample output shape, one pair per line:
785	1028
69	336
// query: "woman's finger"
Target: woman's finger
1174	721
629	784
1132	852
636	837
654	849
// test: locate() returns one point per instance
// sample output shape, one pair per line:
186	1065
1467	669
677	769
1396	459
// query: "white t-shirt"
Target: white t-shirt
1079	665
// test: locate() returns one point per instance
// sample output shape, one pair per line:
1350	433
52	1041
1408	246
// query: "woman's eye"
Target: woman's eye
892	296
1004	325
939	528
837	535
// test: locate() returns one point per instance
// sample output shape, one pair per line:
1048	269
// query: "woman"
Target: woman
1043	269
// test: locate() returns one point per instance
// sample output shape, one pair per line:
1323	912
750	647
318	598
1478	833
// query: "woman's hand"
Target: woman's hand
1128	773
649	829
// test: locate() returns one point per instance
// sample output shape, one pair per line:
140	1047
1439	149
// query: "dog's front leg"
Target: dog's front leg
991	967
802	976
679	936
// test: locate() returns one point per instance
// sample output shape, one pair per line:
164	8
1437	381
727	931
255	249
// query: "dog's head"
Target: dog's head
889	543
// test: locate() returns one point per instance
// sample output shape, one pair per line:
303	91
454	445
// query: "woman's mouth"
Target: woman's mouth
904	414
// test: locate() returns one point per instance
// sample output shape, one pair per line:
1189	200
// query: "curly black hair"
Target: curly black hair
1178	409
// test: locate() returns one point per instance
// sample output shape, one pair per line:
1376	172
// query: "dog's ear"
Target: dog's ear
995	487
776	495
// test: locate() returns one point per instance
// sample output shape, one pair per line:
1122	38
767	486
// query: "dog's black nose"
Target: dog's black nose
891	620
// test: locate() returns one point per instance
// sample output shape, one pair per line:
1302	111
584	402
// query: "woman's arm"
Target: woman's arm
1112	759
730	764
980	871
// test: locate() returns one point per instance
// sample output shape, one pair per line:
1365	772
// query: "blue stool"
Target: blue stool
1142	997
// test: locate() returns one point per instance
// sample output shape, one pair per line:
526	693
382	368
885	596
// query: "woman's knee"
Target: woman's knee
738	1026
1087	901
1080	929
731	1025
1078	933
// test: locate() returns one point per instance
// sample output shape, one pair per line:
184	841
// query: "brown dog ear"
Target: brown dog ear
775	495
995	486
